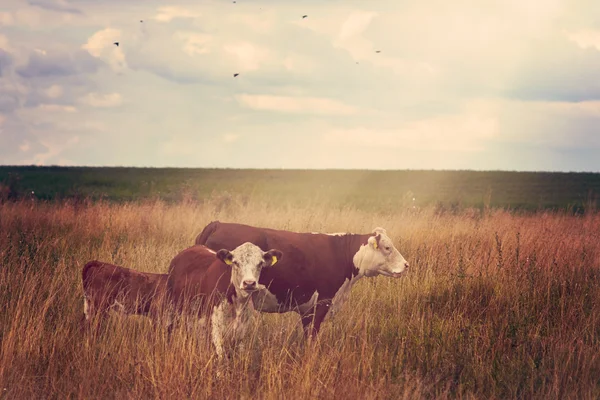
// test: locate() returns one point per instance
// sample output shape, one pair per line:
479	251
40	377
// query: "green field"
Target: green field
368	190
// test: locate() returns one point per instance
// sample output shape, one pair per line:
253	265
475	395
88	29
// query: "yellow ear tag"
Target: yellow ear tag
228	261
274	260
375	245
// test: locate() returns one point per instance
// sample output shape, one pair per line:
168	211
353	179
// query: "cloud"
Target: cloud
54	91
555	68
98	100
356	24
55	5
57	108
231	137
510	85
455	133
6	61
25	146
8	102
58	64
101	45
53	149
586	38
194	43
300	105
249	56
167	14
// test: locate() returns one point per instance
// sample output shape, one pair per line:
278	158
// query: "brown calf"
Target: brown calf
107	286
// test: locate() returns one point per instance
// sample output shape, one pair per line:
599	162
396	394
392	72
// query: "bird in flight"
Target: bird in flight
304	16
377	51
116	44
234	75
141	20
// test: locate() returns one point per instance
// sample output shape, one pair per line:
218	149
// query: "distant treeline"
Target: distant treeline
381	190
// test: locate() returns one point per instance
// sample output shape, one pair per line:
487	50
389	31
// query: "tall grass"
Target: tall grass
495	305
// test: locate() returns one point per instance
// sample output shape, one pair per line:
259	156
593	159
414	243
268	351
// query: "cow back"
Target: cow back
310	262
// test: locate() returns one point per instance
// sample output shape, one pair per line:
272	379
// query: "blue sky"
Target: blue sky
510	85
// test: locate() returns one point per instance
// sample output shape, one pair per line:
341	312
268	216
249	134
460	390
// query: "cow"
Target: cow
111	287
217	287
318	271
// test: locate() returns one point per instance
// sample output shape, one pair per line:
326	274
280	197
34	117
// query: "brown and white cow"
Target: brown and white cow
111	287
318	271
218	287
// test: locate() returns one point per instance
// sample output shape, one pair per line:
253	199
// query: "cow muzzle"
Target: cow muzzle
249	285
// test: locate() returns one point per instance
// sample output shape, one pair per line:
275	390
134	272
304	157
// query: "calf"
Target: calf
318	271
218	286
107	286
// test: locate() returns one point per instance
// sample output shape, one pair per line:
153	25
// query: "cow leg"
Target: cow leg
94	308
87	314
219	328
244	311
311	321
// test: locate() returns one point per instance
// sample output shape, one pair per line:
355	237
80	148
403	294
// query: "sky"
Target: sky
378	84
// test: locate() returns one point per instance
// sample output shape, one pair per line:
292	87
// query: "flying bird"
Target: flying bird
304	16
116	44
141	20
377	51
234	75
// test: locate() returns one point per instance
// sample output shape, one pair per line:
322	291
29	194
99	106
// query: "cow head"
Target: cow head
380	257
246	261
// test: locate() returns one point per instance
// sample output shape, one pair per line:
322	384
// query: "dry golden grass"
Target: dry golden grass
494	306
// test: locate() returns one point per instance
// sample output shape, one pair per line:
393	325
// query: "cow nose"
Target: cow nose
249	284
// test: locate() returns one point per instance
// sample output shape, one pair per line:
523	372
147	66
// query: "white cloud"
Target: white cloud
299	63
101	45
262	23
57	108
356	24
452	133
4	40
24	146
54	149
54	91
167	14
194	43
295	105
180	146
230	137
249	55
446	79
586	38
99	100
6	18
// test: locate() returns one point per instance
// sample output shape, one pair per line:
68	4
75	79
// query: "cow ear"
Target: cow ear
380	230
272	256
225	256
372	242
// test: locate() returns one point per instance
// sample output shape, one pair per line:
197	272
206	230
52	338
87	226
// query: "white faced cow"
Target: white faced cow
318	270
219	285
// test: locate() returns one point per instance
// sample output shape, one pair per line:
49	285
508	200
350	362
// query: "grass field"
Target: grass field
495	305
379	191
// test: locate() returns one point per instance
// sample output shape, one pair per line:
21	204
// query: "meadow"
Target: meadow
496	304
